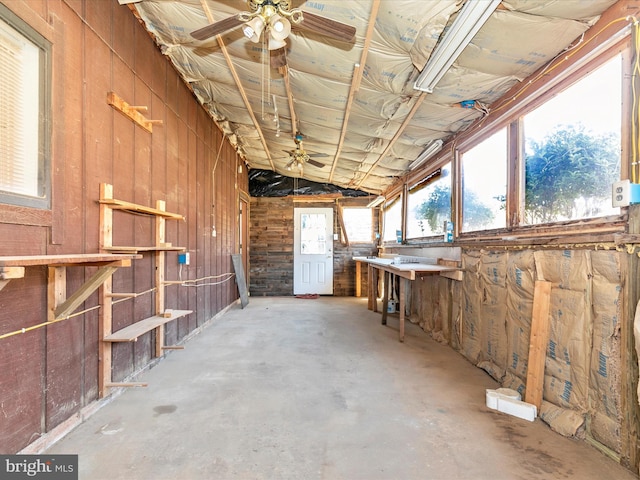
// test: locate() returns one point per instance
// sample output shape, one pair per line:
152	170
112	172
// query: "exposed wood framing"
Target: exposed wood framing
343	229
538	343
355	83
630	425
236	78
155	323
419	99
132	112
74	301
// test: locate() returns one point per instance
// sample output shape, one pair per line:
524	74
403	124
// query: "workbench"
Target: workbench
407	270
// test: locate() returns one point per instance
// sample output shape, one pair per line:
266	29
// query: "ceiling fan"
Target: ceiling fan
299	157
275	17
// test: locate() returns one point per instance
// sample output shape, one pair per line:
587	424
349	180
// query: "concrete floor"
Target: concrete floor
299	389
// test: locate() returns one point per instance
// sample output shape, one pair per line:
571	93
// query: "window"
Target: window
429	204
572	149
313	233
358	223
484	184
392	221
24	103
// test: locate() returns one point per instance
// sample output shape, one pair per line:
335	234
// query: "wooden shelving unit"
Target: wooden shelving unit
155	323
59	305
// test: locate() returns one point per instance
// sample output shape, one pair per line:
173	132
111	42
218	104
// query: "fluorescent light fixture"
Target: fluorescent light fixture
433	148
470	19
376	201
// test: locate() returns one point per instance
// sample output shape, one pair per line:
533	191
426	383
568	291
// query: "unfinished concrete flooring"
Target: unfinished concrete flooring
293	388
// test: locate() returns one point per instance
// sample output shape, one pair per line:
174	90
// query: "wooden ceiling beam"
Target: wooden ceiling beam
356	79
419	99
236	78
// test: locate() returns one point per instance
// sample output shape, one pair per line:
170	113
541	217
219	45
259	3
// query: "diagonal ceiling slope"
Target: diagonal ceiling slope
354	102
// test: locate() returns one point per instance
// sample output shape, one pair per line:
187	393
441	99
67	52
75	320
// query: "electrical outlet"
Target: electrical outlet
620	193
625	193
184	258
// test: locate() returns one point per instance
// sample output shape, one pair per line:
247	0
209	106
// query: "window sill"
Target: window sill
25	216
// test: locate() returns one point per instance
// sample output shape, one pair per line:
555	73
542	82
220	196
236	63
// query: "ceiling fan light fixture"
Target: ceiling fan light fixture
275	44
470	19
253	29
280	27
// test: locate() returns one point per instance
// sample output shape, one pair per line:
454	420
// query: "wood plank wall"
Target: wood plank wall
50	374
271	254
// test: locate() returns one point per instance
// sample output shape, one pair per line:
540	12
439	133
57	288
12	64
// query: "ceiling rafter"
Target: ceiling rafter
419	99
236	78
284	71
355	83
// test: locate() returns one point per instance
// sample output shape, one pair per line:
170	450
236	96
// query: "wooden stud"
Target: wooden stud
358	278
629	405
132	112
105	322
106	217
385	295
538	343
160	267
56	290
370	291
403	282
343	229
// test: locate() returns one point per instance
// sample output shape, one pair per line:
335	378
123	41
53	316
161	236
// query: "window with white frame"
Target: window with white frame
484	184
358	222
23	113
429	204
392	221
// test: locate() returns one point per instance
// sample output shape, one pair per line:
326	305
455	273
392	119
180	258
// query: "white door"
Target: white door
313	251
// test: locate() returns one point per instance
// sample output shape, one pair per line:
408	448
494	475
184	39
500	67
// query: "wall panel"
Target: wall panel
47	375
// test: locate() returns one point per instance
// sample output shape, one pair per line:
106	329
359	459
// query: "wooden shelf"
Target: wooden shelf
132	332
85	259
135	208
108	204
167	248
12	267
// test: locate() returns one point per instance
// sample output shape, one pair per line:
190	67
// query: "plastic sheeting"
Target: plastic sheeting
232	77
265	183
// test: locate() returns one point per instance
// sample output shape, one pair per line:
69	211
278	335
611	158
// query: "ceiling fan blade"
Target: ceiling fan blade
315	163
317	155
327	27
216	28
279	58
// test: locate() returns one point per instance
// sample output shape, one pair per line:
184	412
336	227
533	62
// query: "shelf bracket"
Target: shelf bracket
64	308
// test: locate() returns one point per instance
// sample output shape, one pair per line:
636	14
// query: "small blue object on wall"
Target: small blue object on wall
399	236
